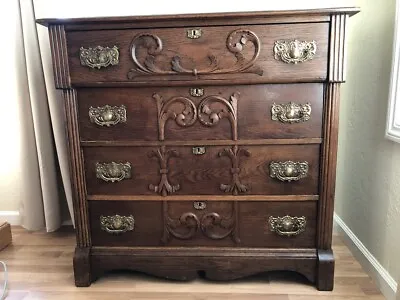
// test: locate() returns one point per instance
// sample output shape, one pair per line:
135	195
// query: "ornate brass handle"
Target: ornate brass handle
99	56
107	115
288	170
291	112
294	51
287	225
117	224
112	172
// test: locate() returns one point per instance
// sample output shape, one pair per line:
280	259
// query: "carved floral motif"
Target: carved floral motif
210	116
236	186
185	113
210	224
180	109
235	43
164	187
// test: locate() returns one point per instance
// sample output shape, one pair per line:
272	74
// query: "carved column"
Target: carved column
336	75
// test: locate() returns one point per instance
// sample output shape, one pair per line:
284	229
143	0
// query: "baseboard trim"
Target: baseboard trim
10	216
383	279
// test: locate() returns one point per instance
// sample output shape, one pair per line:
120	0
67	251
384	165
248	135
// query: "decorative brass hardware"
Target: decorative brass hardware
288	170
196	92
117	224
291	112
287	225
112	172
99	56
194	33
107	115
199	205
198	150
294	51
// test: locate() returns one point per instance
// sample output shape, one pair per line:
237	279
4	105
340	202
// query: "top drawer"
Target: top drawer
254	53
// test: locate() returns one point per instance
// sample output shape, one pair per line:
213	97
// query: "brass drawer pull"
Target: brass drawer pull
99	56
117	224
294	51
287	225
288	170
199	205
291	112
113	172
194	33
107	115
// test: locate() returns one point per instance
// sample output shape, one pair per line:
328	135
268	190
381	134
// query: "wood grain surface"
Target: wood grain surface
195	53
203	174
253	113
251	223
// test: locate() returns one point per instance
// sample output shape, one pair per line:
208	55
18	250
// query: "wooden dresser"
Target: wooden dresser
203	144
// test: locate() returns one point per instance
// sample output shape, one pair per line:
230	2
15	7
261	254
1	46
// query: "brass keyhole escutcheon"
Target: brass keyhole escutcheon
194	33
199	205
199	150
196	92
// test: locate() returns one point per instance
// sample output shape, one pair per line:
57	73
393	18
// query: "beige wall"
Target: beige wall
368	174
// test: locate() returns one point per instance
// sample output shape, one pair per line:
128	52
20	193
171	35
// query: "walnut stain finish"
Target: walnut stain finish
203	174
173	54
203	143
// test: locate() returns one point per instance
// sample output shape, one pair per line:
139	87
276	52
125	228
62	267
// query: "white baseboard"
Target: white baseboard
10	216
383	279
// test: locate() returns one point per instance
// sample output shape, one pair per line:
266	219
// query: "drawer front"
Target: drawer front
126	223
208	170
201	113
203	223
278	224
258	53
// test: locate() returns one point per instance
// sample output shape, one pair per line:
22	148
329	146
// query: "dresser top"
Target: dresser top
204	18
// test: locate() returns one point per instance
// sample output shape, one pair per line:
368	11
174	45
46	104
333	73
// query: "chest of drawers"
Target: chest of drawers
203	144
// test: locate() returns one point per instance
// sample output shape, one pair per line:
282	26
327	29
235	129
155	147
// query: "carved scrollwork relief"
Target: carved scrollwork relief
180	109
212	225
164	187
185	113
236	42
234	153
210	116
183	228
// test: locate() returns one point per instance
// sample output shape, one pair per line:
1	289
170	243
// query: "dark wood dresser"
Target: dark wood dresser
203	144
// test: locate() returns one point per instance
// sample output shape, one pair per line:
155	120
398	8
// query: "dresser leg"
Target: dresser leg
325	273
82	267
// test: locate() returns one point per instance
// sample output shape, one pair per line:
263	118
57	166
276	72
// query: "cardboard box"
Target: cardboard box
5	234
